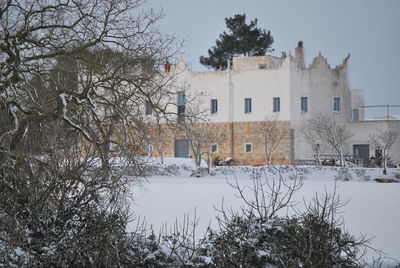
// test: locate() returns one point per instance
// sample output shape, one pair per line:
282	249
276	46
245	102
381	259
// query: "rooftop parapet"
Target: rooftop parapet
269	62
257	63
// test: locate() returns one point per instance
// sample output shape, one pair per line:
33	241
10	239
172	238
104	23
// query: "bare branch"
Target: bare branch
334	133
271	133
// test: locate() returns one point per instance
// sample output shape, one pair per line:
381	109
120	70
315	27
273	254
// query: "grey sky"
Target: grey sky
368	30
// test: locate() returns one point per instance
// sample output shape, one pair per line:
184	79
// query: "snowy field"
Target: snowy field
373	208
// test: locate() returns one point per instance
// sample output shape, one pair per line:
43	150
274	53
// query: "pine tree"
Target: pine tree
241	40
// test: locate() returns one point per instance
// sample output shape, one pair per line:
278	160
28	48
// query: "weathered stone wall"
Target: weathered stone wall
231	140
247	132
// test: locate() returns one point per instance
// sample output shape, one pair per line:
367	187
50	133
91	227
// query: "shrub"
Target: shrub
300	241
217	161
257	237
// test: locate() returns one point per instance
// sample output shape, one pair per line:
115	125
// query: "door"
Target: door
181	148
361	151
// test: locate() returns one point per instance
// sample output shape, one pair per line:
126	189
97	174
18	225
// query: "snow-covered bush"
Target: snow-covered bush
312	241
308	240
244	242
258	237
61	205
60	213
176	249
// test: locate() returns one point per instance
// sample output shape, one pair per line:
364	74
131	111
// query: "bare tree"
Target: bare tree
74	77
267	195
197	128
312	138
271	134
181	241
322	219
91	64
200	136
35	35
160	138
383	141
334	133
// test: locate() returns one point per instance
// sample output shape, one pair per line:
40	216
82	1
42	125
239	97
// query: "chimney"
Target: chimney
299	54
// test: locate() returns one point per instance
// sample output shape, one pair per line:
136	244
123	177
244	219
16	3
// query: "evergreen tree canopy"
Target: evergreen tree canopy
241	40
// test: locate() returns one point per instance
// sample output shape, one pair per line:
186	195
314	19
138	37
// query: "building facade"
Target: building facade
267	88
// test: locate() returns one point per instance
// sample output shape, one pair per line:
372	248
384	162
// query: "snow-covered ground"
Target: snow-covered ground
373	208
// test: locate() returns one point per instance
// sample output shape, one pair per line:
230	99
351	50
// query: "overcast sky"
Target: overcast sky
368	30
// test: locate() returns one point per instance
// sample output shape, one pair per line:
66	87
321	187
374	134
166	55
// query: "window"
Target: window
356	114
148	108
181	106
214	106
247	105
214	148
336	104
304	104
248	147
181	102
277	105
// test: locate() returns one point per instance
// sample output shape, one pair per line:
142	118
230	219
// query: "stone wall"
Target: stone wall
247	132
231	140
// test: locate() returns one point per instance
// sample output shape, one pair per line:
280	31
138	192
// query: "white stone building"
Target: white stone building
258	88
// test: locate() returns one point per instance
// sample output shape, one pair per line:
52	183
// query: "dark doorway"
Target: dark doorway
181	148
361	151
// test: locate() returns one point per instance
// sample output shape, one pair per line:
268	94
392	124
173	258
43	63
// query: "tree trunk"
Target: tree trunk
342	164
198	157
384	162
209	162
197	162
270	158
318	157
